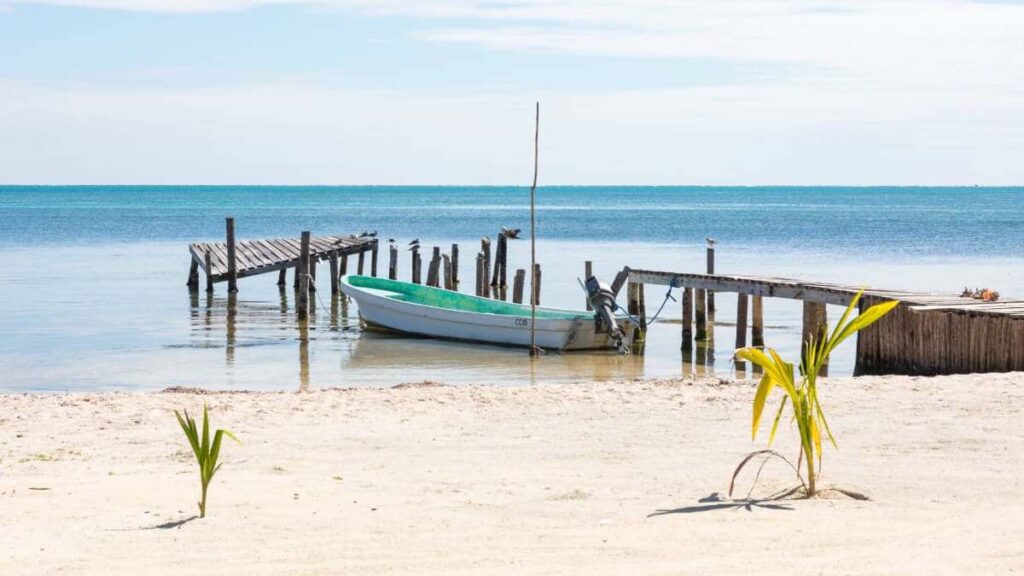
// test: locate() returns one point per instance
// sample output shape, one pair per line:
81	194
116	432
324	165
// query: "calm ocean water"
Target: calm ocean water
93	296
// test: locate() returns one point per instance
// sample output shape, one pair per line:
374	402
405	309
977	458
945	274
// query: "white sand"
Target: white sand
526	480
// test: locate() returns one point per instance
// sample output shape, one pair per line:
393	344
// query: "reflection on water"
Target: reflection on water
146	331
377	358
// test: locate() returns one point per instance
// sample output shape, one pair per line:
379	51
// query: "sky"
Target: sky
702	92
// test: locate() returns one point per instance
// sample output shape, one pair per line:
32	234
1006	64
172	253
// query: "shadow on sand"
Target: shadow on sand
171	524
714	501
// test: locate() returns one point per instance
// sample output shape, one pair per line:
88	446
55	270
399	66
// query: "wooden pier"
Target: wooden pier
927	334
228	261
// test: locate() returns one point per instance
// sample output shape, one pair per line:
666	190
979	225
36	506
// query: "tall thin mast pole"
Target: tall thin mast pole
533	238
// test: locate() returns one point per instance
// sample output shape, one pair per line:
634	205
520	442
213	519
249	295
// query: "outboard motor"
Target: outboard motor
602	300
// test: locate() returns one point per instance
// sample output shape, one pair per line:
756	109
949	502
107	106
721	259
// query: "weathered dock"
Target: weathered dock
230	260
927	334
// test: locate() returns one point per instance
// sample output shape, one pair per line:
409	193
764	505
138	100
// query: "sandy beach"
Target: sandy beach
612	478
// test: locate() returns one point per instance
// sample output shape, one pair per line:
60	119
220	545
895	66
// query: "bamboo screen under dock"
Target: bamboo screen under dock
927	334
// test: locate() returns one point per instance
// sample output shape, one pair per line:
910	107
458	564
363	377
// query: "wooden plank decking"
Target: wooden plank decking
926	334
824	292
261	256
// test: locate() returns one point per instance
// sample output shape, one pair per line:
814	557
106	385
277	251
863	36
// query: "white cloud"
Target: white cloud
902	91
305	134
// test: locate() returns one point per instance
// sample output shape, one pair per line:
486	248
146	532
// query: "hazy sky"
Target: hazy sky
442	92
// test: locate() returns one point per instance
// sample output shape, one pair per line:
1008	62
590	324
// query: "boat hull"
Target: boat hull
556	329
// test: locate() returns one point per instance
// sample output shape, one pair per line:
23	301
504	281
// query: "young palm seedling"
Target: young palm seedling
802	394
206	451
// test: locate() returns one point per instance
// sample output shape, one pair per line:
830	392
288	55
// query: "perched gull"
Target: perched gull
414	241
511	233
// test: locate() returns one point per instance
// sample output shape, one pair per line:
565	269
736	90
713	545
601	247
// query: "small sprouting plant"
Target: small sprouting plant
206	451
802	395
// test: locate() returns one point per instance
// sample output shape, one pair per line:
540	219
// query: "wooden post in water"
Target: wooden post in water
344	264
232	264
687	345
282	277
417	264
711	270
635	307
485	248
536	284
455	267
373	259
701	318
432	269
757	324
741	321
209	271
588	271
359	265
312	275
517	286
303	273
392	262
498	249
815	327
334	272
193	275
447	271
479	291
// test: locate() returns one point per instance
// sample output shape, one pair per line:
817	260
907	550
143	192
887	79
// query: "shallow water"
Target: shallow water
100	303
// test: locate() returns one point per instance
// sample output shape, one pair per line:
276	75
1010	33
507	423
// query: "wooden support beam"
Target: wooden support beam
434	267
517	286
193	275
312	275
479	274
232	263
455	267
417	265
757	323
334	272
446	269
392	262
485	249
282	275
208	265
373	260
303	273
701	318
711	271
344	265
536	283
815	327
741	321
588	271
687	320
359	266
635	307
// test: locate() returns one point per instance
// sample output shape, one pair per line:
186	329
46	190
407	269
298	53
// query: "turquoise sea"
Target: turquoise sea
93	296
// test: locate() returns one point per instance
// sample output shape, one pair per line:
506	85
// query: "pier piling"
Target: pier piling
757	326
209	272
303	272
333	259
417	264
232	263
455	267
392	262
517	286
485	249
373	259
815	327
687	329
741	321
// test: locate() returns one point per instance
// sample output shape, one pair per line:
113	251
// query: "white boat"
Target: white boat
433	312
